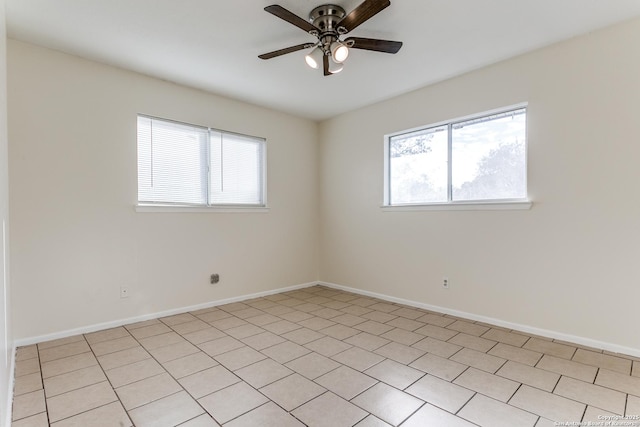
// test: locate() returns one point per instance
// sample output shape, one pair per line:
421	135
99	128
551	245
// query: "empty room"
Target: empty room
364	213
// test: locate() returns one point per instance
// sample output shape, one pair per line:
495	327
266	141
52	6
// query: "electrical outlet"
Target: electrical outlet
445	283
215	278
124	292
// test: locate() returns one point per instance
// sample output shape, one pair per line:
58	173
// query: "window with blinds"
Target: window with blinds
186	165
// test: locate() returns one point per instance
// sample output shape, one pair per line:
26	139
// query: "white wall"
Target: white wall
567	265
570	264
6	341
76	238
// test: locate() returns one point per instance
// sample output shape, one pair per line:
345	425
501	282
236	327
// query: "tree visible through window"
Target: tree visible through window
483	158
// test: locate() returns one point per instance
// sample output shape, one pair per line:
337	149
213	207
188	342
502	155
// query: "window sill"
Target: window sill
463	206
200	209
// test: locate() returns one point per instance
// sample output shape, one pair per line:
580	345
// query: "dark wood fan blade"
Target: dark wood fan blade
386	46
284	51
363	12
291	18
325	65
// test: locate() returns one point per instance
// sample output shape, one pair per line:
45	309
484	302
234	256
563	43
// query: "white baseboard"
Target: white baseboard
588	342
113	324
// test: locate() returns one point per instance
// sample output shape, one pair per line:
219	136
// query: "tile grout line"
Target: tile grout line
167	372
107	379
233	373
44	393
304	301
152	376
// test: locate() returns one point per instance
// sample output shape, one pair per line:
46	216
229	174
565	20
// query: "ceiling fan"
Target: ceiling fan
328	23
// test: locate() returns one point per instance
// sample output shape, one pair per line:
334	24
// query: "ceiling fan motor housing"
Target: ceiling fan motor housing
327	17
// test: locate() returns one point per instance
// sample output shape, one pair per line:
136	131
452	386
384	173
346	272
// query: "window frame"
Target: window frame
483	204
169	207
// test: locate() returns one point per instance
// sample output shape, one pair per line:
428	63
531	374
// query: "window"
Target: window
186	165
480	159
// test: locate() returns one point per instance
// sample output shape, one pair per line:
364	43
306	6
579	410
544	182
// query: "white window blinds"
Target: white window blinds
236	169
183	164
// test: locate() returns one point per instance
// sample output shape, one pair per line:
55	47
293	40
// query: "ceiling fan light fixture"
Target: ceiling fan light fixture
314	58
339	51
335	67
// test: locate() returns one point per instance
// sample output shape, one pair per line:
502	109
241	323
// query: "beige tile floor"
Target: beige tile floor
319	357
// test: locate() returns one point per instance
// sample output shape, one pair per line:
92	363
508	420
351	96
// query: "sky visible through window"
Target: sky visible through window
488	161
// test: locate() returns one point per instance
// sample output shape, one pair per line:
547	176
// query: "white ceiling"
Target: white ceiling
213	44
